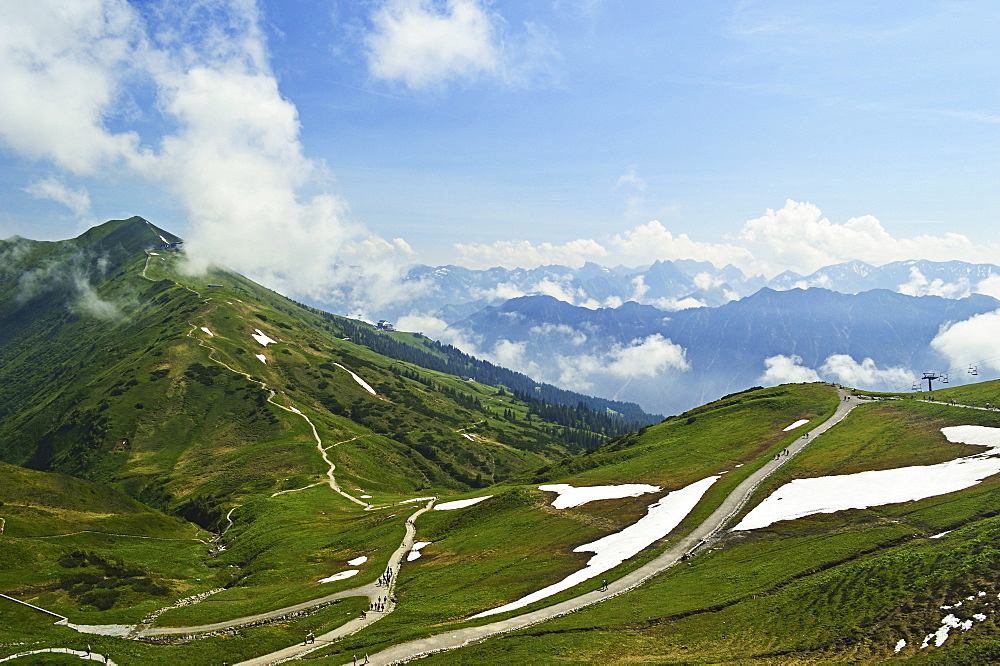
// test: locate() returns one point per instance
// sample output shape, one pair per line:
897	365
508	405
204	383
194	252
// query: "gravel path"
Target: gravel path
372	591
702	534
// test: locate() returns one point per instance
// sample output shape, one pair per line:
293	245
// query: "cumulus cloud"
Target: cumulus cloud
990	286
641	358
523	254
845	370
233	157
975	338
421	45
841	368
919	285
783	369
797	237
62	65
652	241
646	358
77	200
425	44
438	329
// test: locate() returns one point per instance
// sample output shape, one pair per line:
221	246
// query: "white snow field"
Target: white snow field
357	561
206	329
827	494
339	576
261	337
415	550
800	422
416	499
610	551
360	381
461	504
262	358
570	496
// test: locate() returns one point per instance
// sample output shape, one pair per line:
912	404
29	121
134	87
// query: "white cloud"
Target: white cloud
845	370
919	285
523	254
438	329
783	369
52	188
233	157
572	335
646	358
652	241
421	45
970	340
425	44
60	71
797	237
990	286
675	304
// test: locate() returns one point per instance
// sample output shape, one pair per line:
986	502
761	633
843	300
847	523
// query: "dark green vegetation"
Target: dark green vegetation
136	410
151	456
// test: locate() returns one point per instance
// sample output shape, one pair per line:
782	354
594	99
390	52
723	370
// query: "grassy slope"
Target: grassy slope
140	400
505	547
833	587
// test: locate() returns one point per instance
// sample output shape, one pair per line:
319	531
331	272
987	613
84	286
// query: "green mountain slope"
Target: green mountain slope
228	447
118	368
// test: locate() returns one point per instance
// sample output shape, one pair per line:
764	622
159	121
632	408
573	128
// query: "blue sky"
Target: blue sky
293	140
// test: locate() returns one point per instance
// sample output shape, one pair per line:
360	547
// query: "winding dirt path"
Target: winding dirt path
701	535
372	591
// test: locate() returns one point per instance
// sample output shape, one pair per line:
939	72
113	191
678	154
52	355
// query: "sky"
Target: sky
320	145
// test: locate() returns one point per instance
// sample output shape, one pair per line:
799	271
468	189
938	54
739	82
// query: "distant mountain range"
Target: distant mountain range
453	292
672	361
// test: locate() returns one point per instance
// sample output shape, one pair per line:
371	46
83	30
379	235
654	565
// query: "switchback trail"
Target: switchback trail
372	591
705	532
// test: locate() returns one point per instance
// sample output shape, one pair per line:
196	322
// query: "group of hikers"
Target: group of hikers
379	604
385	579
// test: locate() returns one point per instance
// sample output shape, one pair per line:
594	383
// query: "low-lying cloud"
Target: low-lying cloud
839	368
976	338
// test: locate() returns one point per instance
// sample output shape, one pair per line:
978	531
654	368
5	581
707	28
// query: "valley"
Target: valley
200	471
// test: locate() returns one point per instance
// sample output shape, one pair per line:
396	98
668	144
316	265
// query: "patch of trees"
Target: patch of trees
101	581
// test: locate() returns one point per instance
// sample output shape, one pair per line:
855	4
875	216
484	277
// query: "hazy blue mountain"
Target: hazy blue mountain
453	293
724	347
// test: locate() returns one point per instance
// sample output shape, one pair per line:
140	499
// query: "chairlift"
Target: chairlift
973	370
915	387
944	378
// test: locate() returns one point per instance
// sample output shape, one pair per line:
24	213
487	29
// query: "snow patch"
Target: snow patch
828	494
570	496
360	381
416	499
205	328
357	561
263	359
938	536
366	497
461	504
261	337
800	422
900	644
468	437
339	576
415	550
610	551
